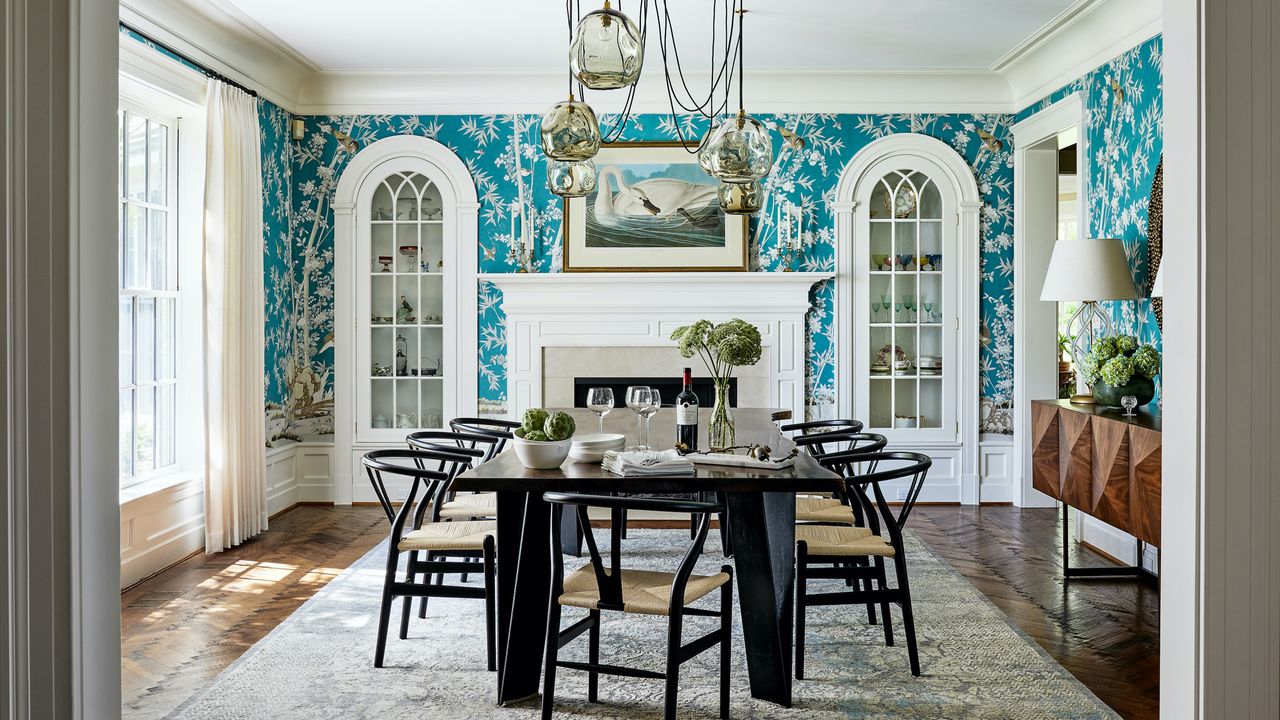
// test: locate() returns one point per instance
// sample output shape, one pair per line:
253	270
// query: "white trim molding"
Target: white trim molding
457	191
1035	323
962	186
641	309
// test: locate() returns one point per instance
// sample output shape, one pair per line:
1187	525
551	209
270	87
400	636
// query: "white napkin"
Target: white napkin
647	463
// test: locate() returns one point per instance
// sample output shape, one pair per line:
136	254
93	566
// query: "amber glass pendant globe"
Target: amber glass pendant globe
739	151
571	179
740	198
606	52
570	131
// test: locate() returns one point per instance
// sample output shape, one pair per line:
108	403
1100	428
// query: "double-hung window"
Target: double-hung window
149	292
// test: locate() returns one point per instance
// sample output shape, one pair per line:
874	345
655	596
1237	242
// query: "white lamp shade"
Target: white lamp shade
1157	287
1088	270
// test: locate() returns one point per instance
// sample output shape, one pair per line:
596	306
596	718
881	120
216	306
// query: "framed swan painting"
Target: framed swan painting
653	209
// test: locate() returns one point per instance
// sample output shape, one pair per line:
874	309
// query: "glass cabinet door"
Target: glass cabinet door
906	305
405	305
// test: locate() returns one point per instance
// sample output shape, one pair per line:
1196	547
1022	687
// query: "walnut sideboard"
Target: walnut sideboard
1099	462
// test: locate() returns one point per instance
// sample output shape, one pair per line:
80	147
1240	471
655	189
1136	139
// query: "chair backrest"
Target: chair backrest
497	431
609	580
843	446
413	464
818	436
457	443
902	465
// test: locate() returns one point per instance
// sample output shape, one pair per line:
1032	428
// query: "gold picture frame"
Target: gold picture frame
671	214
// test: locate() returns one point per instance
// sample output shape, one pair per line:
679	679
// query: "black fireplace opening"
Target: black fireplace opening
668	387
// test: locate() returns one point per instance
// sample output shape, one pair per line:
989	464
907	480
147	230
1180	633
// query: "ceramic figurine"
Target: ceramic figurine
404	313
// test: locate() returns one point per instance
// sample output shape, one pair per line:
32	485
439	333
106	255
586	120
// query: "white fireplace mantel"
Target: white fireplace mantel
641	309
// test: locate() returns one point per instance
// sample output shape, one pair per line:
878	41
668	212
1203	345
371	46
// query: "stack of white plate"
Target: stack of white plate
591	448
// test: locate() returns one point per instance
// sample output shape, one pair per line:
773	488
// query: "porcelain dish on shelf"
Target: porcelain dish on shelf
591	448
882	358
542	455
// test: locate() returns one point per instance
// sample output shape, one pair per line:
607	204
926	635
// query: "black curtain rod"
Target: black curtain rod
208	71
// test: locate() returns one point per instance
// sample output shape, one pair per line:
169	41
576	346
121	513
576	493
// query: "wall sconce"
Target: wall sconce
297	129
521	242
790	225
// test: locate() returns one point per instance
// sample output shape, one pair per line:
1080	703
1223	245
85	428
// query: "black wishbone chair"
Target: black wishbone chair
595	588
498	430
837	510
820	428
819	546
471	506
460	540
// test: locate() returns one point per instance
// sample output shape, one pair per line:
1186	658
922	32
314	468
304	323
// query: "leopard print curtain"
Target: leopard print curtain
1155	238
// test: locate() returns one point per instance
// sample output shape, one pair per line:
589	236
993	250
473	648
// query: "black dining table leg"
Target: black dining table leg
764	565
524	587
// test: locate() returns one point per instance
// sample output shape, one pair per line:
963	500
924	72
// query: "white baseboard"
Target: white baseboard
1115	542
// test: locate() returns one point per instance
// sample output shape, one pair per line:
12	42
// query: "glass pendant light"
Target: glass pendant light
739	151
606	52
570	131
740	198
571	179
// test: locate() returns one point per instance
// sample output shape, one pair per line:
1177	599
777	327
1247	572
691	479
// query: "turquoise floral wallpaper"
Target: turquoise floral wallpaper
277	263
1124	117
487	144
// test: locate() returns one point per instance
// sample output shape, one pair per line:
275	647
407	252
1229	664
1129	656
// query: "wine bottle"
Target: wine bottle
687	414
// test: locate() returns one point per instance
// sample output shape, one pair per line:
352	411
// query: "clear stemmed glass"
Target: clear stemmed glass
638	398
647	412
600	402
897	311
1129	402
928	310
875	311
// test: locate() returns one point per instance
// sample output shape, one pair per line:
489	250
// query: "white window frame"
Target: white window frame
163	89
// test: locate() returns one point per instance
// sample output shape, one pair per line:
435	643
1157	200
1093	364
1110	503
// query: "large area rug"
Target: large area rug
319	662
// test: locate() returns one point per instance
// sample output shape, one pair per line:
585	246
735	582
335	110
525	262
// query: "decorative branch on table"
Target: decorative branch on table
755	451
722	348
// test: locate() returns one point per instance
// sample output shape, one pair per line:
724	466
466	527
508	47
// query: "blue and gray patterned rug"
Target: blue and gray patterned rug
319	662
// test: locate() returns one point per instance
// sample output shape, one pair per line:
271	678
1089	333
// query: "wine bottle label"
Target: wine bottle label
686	414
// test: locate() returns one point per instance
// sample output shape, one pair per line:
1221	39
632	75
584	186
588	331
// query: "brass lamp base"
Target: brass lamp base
1083	399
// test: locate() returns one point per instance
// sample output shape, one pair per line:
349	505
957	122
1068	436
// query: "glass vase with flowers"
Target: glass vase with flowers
722	348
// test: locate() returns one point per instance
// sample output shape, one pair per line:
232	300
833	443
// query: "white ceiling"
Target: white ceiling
531	35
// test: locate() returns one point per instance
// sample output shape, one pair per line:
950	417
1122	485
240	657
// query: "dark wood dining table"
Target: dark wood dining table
761	519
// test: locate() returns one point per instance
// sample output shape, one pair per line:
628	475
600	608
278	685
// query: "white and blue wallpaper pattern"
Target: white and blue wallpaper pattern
1124	117
487	144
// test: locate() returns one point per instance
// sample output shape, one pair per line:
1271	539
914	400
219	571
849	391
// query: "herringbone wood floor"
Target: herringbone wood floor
182	627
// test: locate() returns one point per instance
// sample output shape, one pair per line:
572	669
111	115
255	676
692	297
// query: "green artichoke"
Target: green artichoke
535	436
559	426
533	419
518	432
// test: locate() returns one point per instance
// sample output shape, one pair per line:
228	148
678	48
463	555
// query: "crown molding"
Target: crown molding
1080	39
511	91
217	37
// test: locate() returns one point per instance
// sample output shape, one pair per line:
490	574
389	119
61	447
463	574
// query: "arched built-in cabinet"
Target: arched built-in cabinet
405	308
907	304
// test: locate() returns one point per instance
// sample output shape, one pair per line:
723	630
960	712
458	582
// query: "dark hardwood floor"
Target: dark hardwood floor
182	627
1105	632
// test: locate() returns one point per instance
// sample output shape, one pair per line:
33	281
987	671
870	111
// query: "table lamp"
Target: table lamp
1087	271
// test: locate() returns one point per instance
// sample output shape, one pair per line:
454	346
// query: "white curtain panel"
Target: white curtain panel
235	457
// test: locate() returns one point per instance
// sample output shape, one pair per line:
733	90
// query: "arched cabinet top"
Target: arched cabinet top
453	172
900	145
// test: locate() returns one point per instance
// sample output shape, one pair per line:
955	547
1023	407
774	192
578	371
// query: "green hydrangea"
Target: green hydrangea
690	338
736	342
1126	344
559	426
533	419
1103	349
1146	362
1118	370
535	436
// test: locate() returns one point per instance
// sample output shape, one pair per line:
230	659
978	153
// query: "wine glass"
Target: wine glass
928	310
638	398
600	402
647	412
909	302
897	311
875	311
1129	402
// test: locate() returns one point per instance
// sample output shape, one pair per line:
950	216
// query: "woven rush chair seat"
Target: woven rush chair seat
645	592
466	535
479	505
823	510
837	541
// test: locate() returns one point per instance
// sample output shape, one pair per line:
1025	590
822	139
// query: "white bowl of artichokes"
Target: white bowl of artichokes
544	438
